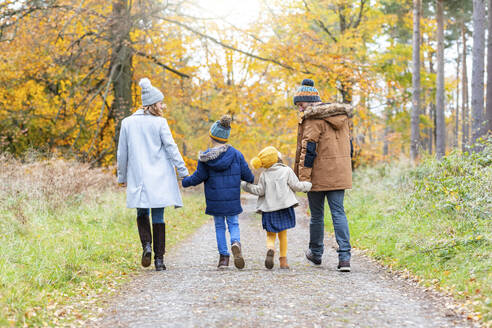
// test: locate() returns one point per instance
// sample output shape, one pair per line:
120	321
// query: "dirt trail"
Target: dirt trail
193	293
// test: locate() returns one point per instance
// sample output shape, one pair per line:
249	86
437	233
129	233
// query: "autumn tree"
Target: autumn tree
90	49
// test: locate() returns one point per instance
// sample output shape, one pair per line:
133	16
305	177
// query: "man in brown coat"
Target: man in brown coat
323	158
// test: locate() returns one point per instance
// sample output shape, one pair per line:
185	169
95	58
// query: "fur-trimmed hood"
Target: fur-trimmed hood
212	153
324	110
218	158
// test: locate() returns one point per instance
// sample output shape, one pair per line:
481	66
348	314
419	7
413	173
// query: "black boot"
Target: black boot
143	225
159	230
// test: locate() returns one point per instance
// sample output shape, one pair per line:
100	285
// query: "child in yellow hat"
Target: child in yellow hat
276	200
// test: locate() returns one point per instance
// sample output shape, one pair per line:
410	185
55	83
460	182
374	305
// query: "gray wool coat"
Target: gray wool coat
147	156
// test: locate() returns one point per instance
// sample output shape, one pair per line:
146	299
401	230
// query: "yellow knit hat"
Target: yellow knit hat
266	158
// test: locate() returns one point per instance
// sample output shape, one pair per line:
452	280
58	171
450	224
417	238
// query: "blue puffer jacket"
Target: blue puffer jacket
222	170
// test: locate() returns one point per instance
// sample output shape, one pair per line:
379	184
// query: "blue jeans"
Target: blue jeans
317	224
220	232
157	214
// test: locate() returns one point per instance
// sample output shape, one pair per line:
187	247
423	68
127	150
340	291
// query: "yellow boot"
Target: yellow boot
283	262
282	236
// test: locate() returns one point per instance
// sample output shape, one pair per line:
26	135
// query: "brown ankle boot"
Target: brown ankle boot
238	255
283	263
223	262
269	259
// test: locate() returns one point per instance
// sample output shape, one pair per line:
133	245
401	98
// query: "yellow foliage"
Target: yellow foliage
53	96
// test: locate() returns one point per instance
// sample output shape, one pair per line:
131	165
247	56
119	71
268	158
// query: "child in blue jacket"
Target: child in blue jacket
222	168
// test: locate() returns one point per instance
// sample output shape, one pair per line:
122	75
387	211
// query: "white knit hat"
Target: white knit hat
150	94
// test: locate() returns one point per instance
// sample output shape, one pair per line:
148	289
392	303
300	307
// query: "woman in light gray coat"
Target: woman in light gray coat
147	156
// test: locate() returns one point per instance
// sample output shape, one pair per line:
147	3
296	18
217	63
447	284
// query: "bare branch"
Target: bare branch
214	40
157	62
321	24
248	34
113	70
324	28
343	22
361	10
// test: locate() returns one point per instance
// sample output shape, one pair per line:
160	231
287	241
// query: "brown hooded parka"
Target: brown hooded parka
323	147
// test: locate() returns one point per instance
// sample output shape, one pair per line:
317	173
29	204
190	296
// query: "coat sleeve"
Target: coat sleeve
200	175
309	145
255	189
172	150
246	174
122	155
297	185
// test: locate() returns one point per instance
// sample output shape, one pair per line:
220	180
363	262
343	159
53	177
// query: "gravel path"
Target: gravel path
193	293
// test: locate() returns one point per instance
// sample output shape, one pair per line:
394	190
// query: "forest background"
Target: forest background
70	71
417	73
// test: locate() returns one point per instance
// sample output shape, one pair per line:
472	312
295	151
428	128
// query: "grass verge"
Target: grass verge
67	238
432	221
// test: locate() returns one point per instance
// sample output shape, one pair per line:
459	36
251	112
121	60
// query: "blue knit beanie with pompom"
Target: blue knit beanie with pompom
306	92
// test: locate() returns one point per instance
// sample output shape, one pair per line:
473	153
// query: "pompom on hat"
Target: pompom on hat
150	94
266	158
306	92
221	130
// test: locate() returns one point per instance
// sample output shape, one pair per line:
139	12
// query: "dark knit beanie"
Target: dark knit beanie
306	92
221	130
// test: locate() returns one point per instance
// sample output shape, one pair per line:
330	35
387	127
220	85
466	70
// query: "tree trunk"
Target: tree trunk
386	117
457	109
415	116
440	123
346	92
423	138
121	59
386	141
432	110
488	113
431	130
464	91
478	69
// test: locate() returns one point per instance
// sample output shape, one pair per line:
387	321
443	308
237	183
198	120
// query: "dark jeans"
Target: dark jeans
317	225
157	214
